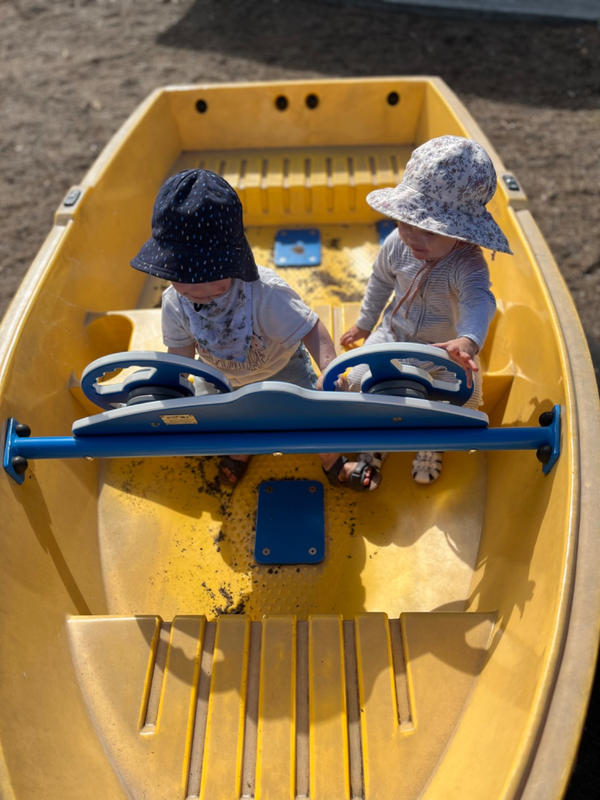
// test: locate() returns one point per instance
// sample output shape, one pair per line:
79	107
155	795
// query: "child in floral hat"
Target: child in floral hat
242	319
433	264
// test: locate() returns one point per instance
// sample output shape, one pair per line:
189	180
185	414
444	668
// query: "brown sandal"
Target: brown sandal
357	476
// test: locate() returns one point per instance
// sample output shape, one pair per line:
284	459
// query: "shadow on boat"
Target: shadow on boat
39	517
382	40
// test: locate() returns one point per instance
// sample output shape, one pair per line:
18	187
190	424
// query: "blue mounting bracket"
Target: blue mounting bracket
297	248
285	538
14	463
384	228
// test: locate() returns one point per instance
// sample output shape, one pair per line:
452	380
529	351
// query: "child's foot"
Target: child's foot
360	476
232	470
426	466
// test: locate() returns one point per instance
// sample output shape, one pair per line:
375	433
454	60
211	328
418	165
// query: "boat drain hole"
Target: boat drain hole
393	99
281	102
312	101
201	106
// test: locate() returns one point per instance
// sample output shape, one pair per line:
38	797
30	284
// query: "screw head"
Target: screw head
19	464
544	453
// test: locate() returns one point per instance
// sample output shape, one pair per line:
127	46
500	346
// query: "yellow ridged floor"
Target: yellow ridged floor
278	709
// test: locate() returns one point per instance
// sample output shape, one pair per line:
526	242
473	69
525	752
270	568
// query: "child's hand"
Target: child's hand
341	384
352	335
462	350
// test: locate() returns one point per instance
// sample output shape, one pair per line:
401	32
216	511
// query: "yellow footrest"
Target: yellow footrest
281	708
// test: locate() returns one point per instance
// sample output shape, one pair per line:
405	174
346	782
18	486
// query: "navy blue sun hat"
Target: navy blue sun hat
197	232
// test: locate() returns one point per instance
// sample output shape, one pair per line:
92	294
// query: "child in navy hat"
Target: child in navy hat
433	266
242	319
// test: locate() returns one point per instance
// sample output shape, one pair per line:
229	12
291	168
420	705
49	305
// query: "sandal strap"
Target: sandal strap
334	470
428	458
236	467
373	459
426	466
355	480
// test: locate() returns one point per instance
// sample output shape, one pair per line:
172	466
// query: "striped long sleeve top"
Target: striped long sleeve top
451	299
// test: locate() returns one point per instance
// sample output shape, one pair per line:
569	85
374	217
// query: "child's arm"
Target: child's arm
379	287
175	327
188	350
476	303
320	345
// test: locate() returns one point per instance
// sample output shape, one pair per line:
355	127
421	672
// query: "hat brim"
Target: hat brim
407	205
185	264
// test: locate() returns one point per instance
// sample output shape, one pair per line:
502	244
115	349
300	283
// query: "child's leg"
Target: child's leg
355	375
299	371
368	464
476	399
427	464
358	475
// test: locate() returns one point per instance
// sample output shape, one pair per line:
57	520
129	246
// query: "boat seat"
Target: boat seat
139	328
305	185
497	365
281	707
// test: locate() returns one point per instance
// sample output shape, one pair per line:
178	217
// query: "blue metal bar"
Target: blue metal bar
19	448
205	444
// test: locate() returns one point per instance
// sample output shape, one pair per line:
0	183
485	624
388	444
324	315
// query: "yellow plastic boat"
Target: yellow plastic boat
443	646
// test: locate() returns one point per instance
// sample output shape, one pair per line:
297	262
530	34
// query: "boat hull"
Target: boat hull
443	648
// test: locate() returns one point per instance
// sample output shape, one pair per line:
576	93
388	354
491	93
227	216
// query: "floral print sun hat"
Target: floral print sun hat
444	189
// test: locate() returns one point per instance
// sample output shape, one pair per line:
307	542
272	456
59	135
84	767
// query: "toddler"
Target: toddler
240	318
434	266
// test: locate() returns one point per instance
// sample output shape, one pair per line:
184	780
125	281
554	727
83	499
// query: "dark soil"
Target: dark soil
73	70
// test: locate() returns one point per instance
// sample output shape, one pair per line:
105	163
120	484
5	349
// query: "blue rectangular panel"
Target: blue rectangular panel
297	248
290	523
